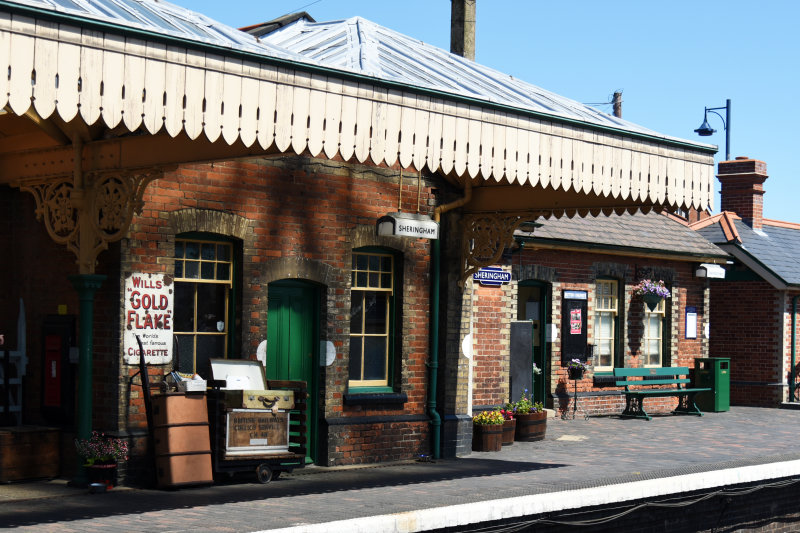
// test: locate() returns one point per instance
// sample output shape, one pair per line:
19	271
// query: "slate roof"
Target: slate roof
776	247
648	233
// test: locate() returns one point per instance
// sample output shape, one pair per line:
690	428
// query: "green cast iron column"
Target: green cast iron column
86	285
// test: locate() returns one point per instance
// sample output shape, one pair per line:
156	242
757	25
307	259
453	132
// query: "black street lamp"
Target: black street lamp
705	129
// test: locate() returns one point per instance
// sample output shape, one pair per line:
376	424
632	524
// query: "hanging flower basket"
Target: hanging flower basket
652	292
575	373
652	301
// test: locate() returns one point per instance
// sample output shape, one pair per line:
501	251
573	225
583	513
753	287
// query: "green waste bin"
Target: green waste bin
713	373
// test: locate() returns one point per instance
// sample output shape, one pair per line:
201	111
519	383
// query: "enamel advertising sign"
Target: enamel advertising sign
148	313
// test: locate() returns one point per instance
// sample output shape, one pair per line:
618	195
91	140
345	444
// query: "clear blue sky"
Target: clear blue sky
669	59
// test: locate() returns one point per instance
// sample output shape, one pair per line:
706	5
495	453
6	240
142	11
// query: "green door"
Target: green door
293	343
534	305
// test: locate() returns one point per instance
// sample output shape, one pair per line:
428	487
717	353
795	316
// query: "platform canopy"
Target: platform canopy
131	87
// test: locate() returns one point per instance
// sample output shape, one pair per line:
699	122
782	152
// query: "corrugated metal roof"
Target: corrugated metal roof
160	17
361	46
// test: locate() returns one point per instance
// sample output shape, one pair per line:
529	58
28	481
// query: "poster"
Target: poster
575	321
148	313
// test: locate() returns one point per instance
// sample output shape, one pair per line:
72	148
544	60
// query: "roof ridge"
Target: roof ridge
780	223
727	224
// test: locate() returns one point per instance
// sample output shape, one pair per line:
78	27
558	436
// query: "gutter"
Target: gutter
226	51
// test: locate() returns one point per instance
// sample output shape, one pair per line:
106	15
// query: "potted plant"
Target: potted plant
576	368
531	419
509	424
487	431
652	292
101	455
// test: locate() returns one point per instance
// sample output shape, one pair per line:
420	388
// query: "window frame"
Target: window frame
615	329
660	310
387	385
232	291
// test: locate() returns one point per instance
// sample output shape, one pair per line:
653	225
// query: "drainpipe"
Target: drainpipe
433	365
794	347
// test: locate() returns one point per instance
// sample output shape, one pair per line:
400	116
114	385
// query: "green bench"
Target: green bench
649	382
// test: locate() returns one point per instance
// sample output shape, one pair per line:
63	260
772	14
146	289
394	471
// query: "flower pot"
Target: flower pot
575	373
487	438
652	300
105	474
509	428
531	427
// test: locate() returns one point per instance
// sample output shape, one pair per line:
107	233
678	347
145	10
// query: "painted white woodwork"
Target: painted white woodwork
133	83
5	56
363	125
113	78
316	115
45	58
130	82
21	67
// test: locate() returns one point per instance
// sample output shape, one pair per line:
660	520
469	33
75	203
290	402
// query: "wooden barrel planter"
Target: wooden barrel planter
531	427
509	429
487	438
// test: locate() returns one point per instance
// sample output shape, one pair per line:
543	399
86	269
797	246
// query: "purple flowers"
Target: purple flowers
647	286
99	449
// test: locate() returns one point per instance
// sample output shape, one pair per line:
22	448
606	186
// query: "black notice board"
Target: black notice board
573	326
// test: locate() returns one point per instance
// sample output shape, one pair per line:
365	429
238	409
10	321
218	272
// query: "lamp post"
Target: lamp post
705	129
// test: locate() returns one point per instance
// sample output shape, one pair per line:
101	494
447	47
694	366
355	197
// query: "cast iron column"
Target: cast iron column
86	285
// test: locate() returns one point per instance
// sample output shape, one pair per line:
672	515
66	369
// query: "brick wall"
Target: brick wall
747	325
570	270
300	218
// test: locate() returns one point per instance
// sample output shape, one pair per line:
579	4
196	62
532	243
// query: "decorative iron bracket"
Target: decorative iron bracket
87	219
485	236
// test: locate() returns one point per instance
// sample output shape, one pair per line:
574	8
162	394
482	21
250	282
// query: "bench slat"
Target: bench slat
664	392
647	371
654	382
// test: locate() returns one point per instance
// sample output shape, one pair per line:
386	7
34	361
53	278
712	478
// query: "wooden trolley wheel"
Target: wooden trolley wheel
264	473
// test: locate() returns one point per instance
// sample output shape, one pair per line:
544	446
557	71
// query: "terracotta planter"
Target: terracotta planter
487	438
575	373
531	427
106	474
509	428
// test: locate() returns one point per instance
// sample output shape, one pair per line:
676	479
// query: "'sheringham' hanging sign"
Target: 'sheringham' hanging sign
492	276
148	314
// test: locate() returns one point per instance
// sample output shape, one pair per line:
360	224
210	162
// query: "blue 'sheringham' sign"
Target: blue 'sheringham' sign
492	276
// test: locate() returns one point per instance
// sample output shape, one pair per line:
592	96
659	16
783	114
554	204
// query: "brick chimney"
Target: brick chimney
462	28
742	188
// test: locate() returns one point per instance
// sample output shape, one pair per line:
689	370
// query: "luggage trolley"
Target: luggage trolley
256	425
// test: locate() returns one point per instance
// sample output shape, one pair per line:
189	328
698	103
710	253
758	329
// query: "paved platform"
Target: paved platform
580	463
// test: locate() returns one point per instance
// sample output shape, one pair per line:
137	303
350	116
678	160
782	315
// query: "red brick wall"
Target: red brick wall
308	209
571	270
746	325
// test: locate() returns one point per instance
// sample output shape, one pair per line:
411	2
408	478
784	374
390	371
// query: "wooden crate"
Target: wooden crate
29	452
181	439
